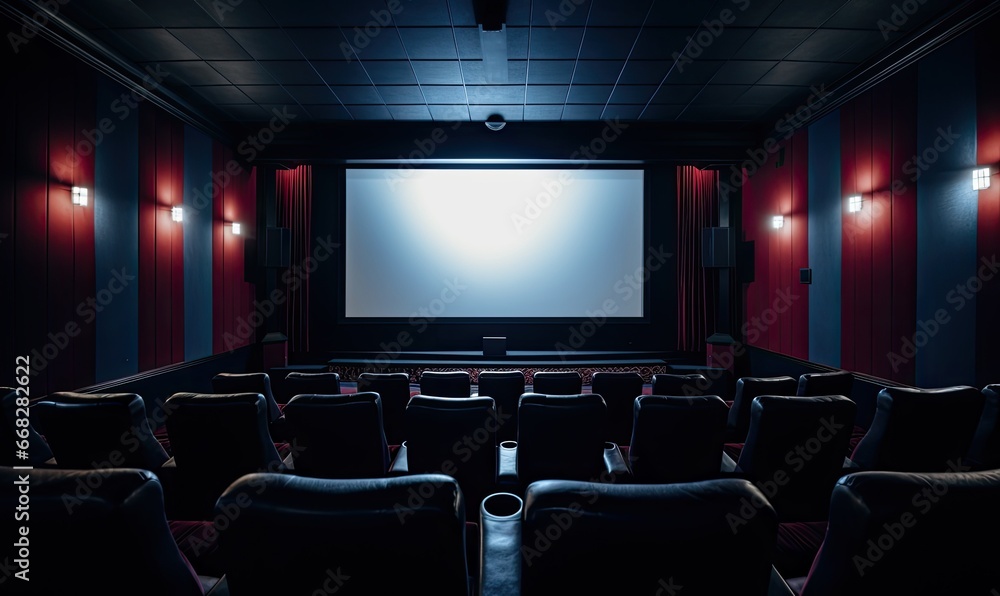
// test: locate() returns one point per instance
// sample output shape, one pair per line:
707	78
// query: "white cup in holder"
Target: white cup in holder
508	444
502	506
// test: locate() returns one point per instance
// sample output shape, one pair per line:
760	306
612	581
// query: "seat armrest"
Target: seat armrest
221	588
399	465
500	548
728	465
507	468
615	465
778	586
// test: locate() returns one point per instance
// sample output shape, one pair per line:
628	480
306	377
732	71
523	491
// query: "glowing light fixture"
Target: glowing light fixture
854	203
980	178
236	228
778	222
177	213
80	196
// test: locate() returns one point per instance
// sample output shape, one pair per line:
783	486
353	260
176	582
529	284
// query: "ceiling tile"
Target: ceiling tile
472	70
773	94
589	94
632	94
550	72
645	72
553	44
680	14
607	42
410	112
614	13
838	45
337	112
450	113
592	72
178	13
719	95
547	94
223	94
772	44
370	112
401	94
622	111
341	72
194	73
661	112
509	113
543	112
436	43
266	44
357	94
243	72
266	93
150	45
423	13
107	13
292	73
804	73
583	112
245	13
660	43
440	72
803	14
694	73
676	94
440	94
495	94
559	13
390	72
211	44
312	94
742	72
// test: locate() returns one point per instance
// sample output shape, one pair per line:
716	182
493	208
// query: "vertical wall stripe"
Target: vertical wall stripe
946	216
825	208
116	211
197	244
988	150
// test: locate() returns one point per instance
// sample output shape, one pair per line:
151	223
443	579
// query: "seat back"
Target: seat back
619	390
457	437
686	385
505	387
38	450
984	452
909	533
451	383
99	531
795	450
747	388
338	436
560	437
677	439
215	439
583	538
300	383
394	389
89	430
298	537
230	383
557	382
839	382
920	430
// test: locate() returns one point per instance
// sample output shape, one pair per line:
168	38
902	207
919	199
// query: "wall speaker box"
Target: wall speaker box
250	264
277	248
494	346
806	275
717	249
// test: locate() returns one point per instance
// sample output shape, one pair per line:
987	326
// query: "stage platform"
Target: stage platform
350	365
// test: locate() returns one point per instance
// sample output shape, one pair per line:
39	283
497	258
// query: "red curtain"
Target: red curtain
294	203
697	208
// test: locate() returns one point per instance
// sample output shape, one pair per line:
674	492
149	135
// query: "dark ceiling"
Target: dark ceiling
693	64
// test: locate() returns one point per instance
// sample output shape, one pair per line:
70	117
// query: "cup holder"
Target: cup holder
502	505
508	444
609	445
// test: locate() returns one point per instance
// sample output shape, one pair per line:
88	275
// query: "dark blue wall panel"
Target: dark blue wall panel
116	234
947	209
825	218
197	245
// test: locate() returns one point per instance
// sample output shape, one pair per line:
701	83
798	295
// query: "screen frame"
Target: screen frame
645	319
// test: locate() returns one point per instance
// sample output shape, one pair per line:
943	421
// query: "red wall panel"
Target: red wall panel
235	200
988	232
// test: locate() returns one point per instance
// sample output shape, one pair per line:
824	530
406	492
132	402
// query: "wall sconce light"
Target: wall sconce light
778	222
80	196
854	203
980	178
236	228
177	214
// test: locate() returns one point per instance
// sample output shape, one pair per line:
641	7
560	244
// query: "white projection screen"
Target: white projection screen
494	243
